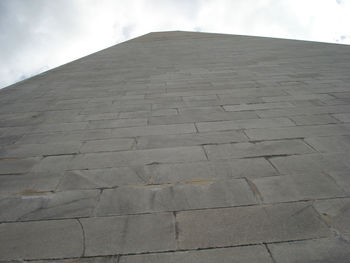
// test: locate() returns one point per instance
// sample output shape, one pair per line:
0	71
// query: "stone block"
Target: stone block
297	132
243	124
336	212
259	149
139	157
324	250
101	178
41	240
129	234
197	194
248	225
176	140
297	187
109	145
251	254
35	205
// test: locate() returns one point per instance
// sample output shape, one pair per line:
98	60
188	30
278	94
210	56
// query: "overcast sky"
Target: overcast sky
37	35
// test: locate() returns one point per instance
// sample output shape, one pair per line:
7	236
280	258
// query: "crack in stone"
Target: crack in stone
83	232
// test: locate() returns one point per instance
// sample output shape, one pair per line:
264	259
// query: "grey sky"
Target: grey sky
36	35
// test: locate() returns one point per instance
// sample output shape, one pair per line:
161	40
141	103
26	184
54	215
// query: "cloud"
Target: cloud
38	35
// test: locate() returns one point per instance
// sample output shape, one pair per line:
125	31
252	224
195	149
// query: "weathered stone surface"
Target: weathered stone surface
313	119
269	148
41	240
299	164
248	225
342	179
243	124
320	251
101	178
139	131
107	259
182	172
344	117
129	234
163	141
16	184
110	145
330	144
201	115
103	124
297	187
34	205
203	140
252	254
258	106
185	196
17	165
336	212
126	158
297	132
46	149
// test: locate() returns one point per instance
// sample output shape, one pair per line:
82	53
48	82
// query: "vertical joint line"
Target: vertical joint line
269	251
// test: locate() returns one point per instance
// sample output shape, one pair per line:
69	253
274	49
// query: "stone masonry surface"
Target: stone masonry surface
180	147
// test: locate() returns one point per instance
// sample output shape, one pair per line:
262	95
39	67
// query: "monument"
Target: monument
180	147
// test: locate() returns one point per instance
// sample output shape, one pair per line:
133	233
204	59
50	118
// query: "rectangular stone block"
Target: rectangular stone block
153	130
60	127
15	184
297	97
268	148
41	240
258	106
101	178
323	250
109	145
336	212
139	157
51	137
195	194
251	254
194	171
201	115
33	150
344	117
313	119
300	164
248	225
310	110
16	165
105	124
330	144
36	205
129	234
193	139
243	124
297	187
297	132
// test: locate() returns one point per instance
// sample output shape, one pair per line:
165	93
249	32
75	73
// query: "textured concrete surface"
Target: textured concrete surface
180	147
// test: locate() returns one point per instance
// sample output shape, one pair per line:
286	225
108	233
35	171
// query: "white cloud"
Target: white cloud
38	35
